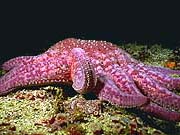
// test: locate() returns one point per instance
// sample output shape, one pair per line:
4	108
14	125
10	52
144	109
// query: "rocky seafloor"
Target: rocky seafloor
58	110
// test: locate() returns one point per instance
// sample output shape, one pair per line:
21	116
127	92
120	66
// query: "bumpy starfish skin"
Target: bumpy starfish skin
16	61
102	68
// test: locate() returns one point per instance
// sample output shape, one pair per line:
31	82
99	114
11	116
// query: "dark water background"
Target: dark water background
26	42
28	28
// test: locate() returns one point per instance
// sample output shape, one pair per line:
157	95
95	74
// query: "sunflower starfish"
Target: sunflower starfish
100	67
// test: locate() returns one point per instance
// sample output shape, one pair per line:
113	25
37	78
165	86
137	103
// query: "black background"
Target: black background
28	28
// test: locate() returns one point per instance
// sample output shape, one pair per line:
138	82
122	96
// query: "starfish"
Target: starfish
100	67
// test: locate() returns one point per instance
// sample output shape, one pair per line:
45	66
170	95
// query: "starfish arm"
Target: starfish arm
155	92
165	80
8	65
162	78
163	70
108	91
82	71
161	112
43	73
124	81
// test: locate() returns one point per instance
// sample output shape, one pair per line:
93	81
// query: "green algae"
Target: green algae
48	111
158	55
29	117
175	75
152	55
23	113
2	72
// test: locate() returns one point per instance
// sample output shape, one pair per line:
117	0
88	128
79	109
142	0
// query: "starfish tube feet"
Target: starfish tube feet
82	71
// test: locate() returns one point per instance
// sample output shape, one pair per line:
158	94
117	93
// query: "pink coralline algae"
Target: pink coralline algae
100	67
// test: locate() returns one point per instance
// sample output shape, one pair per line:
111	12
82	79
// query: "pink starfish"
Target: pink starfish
100	67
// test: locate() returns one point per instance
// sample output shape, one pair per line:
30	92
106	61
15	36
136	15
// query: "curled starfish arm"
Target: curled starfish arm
82	71
108	91
161	112
14	62
125	82
84	80
155	92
